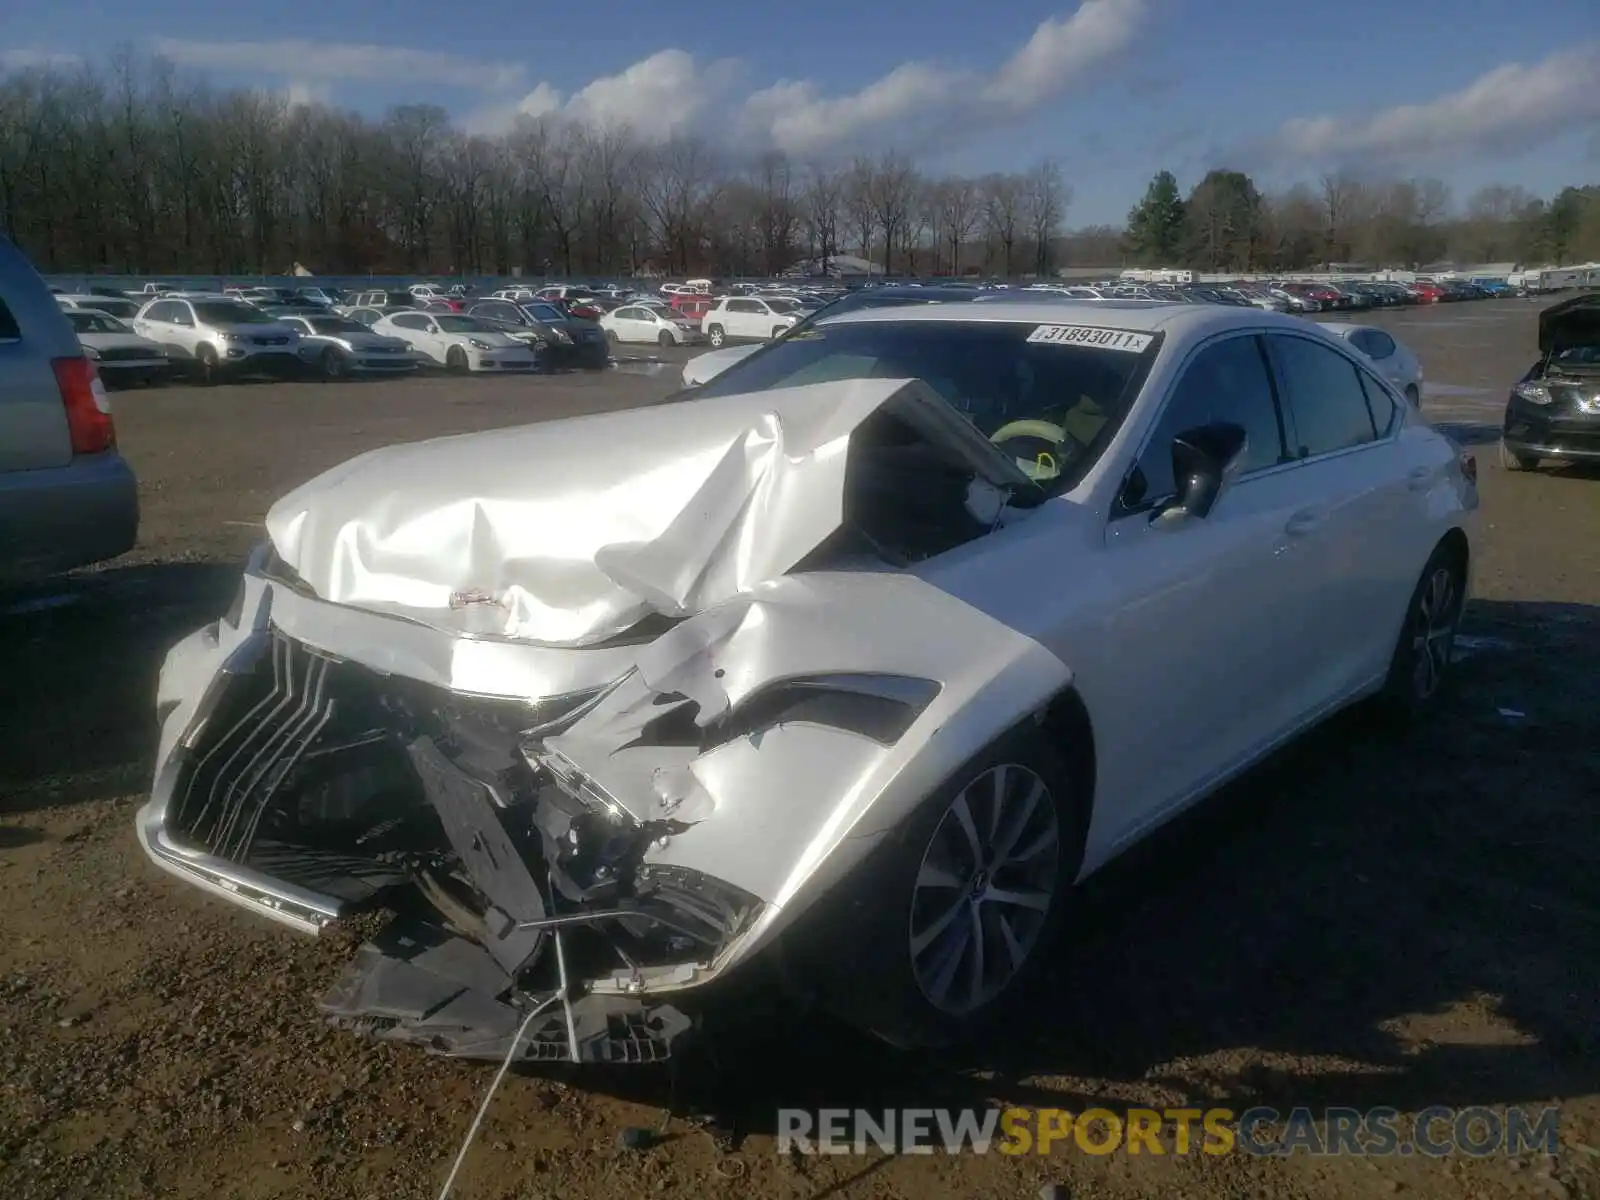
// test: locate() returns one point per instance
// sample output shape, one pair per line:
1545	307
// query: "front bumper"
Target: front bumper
228	754
1567	429
501	361
249	360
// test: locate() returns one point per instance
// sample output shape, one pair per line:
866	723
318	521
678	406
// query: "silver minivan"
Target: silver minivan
67	498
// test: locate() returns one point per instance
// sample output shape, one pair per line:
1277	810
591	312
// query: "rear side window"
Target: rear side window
1380	404
1326	397
8	324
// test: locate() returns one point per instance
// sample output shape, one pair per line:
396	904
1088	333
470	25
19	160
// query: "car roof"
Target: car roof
1145	316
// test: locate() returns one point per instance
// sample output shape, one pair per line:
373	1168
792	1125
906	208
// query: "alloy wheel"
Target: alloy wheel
985	888
1433	631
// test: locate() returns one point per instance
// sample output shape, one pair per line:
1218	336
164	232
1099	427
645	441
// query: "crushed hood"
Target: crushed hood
1572	323
570	532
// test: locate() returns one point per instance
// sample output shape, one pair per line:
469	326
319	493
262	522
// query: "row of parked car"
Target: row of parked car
285	332
1292	296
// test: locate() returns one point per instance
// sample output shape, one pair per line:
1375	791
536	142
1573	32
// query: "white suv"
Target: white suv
217	335
744	318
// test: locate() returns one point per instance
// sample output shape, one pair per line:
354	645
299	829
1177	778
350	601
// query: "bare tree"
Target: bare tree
677	187
859	207
1044	203
131	165
824	198
961	209
778	216
1002	215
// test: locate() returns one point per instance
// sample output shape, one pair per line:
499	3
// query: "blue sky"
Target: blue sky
1472	91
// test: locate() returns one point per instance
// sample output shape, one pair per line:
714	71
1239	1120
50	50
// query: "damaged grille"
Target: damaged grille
238	775
503	890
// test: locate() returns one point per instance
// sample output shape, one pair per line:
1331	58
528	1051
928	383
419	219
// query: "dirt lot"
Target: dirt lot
1368	921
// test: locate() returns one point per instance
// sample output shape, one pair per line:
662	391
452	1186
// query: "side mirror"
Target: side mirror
1204	460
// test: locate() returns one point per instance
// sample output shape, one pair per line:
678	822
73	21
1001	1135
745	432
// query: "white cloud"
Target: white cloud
301	94
1513	107
19	59
671	92
334	62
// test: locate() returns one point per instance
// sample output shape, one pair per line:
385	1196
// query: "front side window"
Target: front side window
456	323
1228	381
410	321
1052	406
1325	395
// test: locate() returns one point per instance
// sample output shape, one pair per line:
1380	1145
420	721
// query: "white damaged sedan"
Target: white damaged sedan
857	656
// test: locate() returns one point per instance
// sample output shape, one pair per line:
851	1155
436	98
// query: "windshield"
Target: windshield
93	322
231	314
331	326
1052	405
544	312
454	323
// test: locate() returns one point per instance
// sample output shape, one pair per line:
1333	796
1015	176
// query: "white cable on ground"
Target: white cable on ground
494	1086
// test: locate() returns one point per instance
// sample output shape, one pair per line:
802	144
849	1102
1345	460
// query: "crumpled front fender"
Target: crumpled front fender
785	808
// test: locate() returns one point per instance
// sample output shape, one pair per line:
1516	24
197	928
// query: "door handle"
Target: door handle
1307	520
1418	478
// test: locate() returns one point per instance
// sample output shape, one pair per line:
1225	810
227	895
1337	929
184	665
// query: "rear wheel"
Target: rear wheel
1420	667
958	907
1513	461
455	359
612	339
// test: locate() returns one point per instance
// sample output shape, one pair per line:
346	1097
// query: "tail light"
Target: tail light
1469	467
88	407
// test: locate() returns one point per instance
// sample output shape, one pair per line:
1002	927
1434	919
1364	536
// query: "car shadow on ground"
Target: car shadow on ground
1416	914
82	652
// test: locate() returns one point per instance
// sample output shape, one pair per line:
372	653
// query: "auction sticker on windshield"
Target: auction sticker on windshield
1089	335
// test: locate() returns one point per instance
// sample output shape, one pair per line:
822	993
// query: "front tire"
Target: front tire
455	359
717	336
957	909
334	365
1413	395
1419	669
208	367
666	341
1510	460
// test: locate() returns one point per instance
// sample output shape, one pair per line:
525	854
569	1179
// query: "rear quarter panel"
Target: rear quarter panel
33	330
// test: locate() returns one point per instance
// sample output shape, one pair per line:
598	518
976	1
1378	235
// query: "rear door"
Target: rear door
1355	532
33	332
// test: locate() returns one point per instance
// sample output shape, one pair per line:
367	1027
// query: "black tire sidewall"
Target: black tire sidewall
333	364
455	359
1399	695
870	913
208	365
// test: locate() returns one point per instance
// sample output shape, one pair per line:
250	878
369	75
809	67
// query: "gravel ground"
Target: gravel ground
1365	921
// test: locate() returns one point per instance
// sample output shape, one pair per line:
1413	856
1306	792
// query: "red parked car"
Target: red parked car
1426	293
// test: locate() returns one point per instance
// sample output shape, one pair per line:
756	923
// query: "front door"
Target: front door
1201	641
